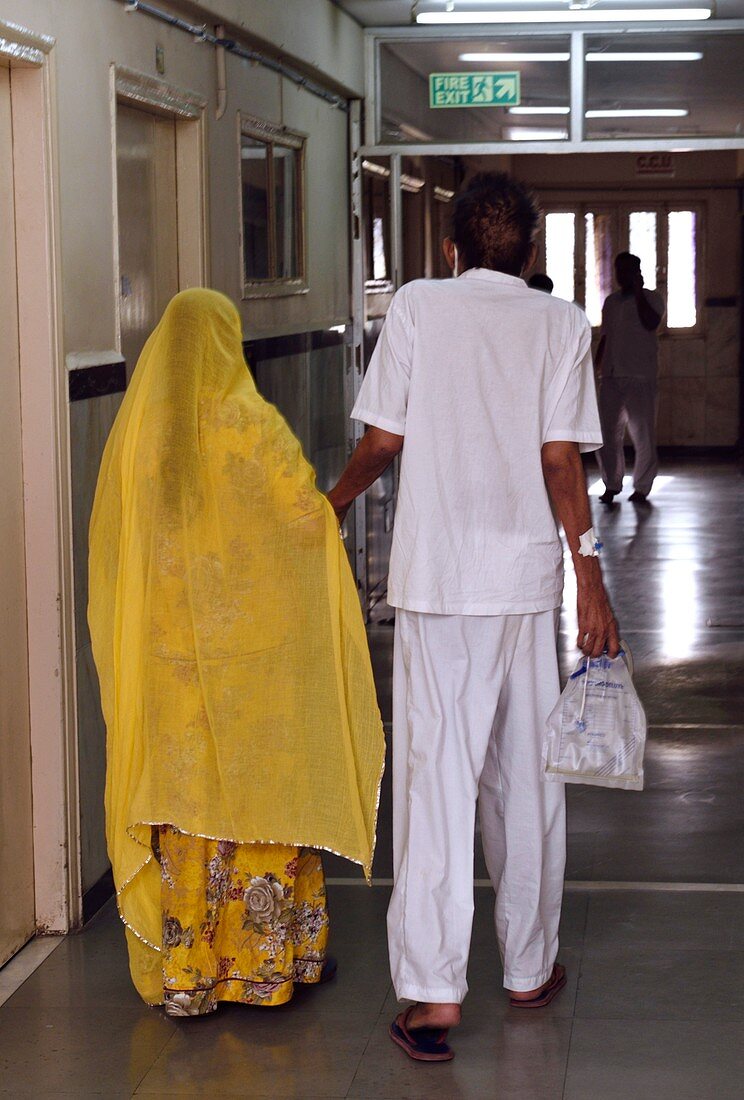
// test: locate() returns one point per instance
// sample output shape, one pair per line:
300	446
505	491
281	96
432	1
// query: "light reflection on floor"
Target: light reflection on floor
679	608
598	487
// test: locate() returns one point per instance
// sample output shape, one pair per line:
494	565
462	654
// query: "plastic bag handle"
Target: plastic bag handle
627	656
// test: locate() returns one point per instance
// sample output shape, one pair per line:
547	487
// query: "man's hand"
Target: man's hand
649	318
339	507
597	626
566	484
374	453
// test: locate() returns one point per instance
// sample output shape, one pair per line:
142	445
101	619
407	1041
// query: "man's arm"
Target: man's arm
650	319
564	478
374	453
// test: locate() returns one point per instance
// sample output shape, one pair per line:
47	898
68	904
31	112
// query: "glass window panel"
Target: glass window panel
599	253
642	241
285	211
681	268
544	72
693	81
560	253
255	180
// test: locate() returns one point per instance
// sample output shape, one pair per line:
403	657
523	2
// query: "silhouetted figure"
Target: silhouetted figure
627	365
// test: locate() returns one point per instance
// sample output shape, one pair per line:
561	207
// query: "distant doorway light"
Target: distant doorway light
560	253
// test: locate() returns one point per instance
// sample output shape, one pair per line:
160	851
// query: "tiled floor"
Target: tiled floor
654	1008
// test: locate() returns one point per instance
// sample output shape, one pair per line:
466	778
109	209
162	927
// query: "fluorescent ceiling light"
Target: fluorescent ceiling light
375	169
691	56
411	183
539	110
478	57
533	133
641	112
583	15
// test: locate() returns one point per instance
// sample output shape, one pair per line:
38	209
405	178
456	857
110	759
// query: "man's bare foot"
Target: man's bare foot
528	994
434	1015
543	994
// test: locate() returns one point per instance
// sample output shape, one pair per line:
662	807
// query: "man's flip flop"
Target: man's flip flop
423	1044
551	990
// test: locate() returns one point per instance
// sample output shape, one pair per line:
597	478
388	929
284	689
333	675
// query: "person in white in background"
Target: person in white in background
540	281
627	365
491	389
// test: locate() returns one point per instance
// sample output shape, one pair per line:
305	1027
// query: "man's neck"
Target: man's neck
495	270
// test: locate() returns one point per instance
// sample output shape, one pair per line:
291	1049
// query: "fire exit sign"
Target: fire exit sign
474	89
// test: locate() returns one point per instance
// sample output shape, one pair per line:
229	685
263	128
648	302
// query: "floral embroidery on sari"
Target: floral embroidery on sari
241	922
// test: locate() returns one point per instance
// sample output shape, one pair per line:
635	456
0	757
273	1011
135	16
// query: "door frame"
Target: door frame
46	483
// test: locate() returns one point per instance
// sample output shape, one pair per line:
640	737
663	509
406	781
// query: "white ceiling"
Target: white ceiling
397	13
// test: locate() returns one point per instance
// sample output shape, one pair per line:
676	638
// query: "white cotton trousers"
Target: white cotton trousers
631	403
471	696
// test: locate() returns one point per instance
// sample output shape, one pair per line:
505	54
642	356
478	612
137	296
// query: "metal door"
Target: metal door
17	915
148	223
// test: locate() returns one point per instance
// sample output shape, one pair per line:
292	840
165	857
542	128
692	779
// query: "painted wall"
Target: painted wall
91	36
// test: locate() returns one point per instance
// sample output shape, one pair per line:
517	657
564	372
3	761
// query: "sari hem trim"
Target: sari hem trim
367	868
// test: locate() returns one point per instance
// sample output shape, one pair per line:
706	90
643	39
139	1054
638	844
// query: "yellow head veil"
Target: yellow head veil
234	670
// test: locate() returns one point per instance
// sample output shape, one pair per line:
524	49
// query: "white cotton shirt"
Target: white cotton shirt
477	373
631	350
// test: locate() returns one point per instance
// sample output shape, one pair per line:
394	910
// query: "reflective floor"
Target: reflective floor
654	1009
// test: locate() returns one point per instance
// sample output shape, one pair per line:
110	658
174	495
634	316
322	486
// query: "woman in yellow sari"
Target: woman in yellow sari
242	726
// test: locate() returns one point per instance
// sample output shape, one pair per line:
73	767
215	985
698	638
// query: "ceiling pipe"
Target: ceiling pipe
221	64
201	34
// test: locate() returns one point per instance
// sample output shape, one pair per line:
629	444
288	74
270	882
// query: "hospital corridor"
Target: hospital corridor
326	326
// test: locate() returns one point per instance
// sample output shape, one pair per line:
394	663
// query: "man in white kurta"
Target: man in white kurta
477	378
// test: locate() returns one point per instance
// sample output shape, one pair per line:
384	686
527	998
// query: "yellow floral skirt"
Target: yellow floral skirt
241	922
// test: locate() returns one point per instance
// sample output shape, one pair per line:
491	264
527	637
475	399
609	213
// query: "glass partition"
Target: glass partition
652	85
424	84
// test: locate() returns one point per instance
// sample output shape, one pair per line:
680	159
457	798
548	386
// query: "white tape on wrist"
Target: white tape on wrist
589	544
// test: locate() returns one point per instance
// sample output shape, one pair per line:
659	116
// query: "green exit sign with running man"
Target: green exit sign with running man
474	89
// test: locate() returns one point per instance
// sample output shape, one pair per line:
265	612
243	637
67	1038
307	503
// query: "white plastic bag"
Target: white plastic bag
597	731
